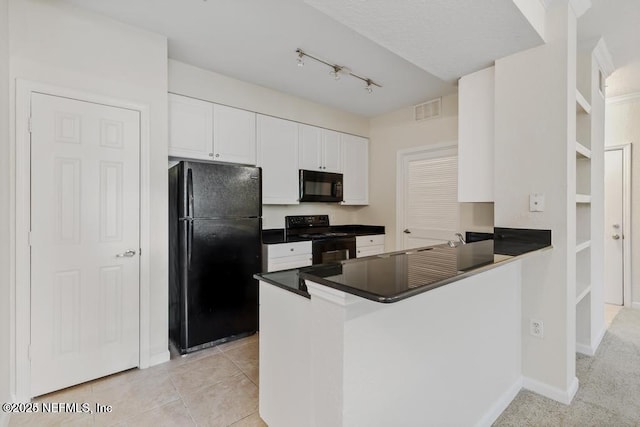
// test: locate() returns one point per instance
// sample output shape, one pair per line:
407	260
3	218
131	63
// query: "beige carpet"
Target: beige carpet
609	393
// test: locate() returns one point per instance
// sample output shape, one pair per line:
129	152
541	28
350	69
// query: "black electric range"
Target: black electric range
327	246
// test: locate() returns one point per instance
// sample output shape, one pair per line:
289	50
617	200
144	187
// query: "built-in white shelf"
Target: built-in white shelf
583	293
582	105
582	151
583	198
581	245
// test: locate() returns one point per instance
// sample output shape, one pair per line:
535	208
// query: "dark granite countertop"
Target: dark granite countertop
275	236
398	275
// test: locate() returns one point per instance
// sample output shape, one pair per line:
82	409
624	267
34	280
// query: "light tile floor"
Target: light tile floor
212	387
219	387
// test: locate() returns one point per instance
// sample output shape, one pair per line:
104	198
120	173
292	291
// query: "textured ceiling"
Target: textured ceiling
448	38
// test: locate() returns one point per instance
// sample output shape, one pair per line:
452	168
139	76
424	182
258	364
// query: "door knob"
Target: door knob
127	254
406	231
615	237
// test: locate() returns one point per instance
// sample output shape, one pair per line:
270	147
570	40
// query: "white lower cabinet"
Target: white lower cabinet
284	256
369	245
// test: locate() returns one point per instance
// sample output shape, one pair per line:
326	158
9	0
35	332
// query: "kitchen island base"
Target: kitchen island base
450	356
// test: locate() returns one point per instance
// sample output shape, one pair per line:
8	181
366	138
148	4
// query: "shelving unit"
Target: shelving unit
589	202
583	217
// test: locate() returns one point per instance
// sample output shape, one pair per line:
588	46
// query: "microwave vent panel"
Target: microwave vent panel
428	110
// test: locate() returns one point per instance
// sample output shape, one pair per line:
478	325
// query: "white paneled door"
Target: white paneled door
613	228
84	241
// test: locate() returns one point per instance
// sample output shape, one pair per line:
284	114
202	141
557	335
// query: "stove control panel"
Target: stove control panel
306	221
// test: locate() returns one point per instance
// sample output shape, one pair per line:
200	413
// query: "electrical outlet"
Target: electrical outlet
536	202
536	328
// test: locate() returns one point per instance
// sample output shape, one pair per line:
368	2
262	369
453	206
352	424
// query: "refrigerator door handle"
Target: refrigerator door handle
190	193
189	242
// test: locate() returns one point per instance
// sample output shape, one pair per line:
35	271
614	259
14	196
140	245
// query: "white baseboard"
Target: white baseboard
585	349
501	404
562	396
599	338
635	305
159	358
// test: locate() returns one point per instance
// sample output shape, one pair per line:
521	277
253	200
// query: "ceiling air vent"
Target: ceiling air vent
428	110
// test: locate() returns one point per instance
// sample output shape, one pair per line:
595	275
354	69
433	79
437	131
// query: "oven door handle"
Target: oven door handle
335	252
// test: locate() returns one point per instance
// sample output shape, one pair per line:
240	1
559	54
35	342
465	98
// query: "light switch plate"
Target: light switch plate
536	202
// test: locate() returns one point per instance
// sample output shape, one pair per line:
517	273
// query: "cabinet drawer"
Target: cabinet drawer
288	262
369	250
377	239
288	249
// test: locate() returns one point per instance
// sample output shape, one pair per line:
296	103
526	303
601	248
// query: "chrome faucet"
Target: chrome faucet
461	239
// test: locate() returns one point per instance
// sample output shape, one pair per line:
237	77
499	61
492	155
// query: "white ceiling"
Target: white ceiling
415	49
618	23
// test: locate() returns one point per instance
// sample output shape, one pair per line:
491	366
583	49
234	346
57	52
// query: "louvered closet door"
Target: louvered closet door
430	211
84	213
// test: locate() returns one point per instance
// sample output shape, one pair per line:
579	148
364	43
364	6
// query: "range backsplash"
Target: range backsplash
273	215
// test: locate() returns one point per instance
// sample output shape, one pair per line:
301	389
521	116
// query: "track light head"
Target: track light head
300	57
369	86
336	72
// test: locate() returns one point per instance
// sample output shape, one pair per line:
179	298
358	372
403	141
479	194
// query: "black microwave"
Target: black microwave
320	186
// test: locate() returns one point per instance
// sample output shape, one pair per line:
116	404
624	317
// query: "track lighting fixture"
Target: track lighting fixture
368	87
337	71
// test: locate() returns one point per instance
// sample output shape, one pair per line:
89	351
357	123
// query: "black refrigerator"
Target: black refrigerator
214	250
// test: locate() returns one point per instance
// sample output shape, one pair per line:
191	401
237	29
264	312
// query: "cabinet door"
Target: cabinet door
190	128
310	148
278	157
331	151
234	135
475	136
355	162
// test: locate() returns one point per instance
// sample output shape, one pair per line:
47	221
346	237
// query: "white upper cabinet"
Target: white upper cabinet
476	136
234	135
320	149
332	151
190	128
278	157
355	155
207	131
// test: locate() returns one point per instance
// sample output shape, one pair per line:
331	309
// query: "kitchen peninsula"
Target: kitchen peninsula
430	336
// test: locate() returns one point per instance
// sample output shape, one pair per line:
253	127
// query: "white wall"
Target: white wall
396	131
196	82
535	152
622	125
4	205
58	44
